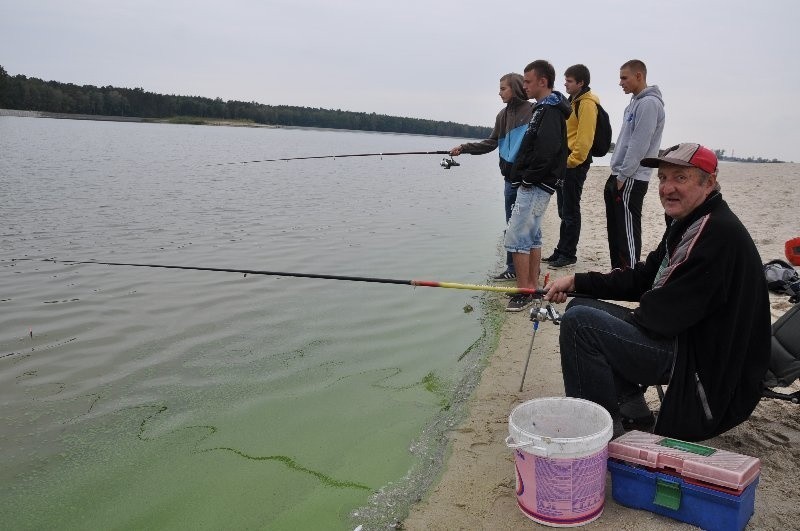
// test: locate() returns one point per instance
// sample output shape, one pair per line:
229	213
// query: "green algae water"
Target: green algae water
136	398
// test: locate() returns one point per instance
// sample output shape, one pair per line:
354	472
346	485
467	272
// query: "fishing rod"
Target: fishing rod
538	293
446	163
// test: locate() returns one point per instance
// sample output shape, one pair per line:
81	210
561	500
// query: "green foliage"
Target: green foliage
33	94
190	120
3	85
437	386
720	153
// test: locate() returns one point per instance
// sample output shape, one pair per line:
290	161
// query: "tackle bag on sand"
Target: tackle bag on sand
784	364
782	278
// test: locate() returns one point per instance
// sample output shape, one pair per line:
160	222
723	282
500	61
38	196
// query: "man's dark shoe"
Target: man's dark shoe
636	414
552	258
562	261
618	428
645	423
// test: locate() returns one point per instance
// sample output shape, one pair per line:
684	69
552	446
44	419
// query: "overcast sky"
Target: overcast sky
727	68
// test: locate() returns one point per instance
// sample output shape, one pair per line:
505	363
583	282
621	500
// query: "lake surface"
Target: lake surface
136	398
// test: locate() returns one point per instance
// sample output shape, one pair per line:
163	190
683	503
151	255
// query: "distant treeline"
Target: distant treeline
720	153
32	94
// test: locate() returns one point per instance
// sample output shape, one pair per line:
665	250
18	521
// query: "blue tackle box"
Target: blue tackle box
703	486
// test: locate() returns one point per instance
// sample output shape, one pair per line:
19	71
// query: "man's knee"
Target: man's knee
574	316
577	302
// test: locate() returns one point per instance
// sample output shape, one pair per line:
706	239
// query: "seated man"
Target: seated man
702	324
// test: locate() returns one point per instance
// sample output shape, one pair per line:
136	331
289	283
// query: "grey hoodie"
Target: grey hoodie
639	136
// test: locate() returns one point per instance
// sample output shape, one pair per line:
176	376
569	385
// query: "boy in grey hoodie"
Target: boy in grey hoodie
639	137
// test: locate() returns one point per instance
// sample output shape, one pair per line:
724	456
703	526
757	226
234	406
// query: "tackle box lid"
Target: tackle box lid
688	460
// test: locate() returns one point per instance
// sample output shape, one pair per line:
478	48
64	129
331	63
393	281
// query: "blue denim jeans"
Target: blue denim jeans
510	195
605	358
525	226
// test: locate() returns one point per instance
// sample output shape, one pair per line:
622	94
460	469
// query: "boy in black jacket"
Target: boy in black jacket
539	168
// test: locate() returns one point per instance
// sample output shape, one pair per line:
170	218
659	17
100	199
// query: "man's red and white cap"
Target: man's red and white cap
686	154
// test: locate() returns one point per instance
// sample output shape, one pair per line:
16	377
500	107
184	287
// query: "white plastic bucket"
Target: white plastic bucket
560	452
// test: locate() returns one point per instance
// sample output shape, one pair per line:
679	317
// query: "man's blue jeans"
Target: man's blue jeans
605	358
510	194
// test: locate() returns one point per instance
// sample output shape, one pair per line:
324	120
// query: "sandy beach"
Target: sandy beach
476	490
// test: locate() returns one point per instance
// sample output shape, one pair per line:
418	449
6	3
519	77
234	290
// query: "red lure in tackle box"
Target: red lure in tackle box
710	488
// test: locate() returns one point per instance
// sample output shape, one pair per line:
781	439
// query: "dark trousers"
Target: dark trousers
624	221
510	195
604	358
568	199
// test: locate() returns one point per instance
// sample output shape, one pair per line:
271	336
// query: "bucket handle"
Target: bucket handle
526	444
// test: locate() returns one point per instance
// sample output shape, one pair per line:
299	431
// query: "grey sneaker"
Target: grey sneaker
518	302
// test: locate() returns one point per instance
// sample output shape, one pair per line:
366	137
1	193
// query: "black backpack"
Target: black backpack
784	364
783	278
602	132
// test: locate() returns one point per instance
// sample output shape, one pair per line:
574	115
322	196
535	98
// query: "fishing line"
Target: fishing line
446	163
422	283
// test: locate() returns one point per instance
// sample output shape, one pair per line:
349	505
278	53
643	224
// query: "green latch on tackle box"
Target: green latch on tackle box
668	494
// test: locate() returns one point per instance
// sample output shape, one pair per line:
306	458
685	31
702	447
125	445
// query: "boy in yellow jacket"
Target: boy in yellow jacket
581	126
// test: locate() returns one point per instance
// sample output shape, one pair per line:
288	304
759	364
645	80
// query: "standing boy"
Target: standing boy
538	171
639	137
581	126
509	128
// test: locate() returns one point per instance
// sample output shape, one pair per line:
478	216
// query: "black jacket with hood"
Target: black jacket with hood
542	158
704	287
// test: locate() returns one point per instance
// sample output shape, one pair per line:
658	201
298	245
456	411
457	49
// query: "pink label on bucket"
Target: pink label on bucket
561	492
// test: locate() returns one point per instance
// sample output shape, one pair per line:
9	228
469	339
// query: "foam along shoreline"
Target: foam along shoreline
476	490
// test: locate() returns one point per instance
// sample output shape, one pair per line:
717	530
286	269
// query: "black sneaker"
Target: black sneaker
552	258
618	427
518	302
506	275
562	261
636	414
644	423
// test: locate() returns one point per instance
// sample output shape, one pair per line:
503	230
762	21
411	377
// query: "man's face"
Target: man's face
532	84
571	86
629	81
506	94
680	190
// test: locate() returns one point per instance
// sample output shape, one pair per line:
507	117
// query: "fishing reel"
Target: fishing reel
448	163
545	313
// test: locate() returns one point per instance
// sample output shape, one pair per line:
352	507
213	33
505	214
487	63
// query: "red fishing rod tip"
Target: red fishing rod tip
425	283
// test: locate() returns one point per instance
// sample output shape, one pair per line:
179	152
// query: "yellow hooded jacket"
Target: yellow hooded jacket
580	128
